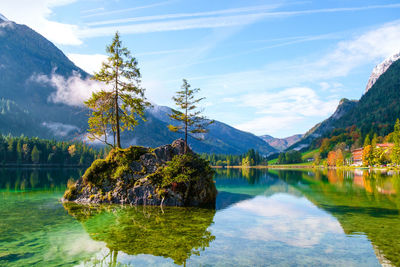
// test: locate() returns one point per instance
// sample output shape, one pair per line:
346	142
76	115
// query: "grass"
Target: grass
305	155
309	154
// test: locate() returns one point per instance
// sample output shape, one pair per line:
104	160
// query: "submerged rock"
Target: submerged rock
145	176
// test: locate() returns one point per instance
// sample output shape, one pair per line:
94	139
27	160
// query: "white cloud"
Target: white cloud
36	15
71	91
271	125
283	218
60	129
274	110
285	110
89	63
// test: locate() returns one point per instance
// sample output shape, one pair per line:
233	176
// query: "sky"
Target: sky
265	67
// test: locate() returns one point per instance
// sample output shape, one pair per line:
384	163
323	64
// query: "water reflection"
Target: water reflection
12	180
364	203
263	217
170	232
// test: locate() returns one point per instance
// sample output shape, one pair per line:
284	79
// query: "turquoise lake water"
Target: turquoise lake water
262	218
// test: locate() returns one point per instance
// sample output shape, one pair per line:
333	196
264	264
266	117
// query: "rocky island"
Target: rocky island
146	176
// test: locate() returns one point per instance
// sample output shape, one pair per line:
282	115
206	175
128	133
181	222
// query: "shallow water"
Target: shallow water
262	218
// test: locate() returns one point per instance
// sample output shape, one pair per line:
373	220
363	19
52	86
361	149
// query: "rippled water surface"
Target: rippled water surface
262	218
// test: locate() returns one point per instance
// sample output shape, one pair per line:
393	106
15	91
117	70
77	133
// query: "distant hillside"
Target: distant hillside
281	144
326	126
376	111
221	138
28	61
23	55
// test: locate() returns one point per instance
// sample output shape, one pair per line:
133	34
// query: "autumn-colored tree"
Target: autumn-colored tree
118	106
339	158
246	162
72	150
331	160
367	156
367	141
189	118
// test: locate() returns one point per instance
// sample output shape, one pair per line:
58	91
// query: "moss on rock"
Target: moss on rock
139	175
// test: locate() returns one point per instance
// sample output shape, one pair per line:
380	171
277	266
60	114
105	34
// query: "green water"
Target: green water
262	218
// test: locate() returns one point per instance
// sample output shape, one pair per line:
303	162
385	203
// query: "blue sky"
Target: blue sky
266	67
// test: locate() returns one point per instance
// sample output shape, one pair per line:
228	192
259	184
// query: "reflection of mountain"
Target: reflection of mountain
365	209
171	232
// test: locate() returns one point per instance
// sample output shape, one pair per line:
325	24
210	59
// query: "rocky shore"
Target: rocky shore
146	176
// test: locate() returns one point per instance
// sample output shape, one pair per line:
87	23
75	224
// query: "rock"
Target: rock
144	176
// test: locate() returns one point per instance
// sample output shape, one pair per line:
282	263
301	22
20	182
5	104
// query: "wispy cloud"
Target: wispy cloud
185	15
211	19
119	11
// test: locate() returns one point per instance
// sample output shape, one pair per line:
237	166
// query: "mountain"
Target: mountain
376	111
326	126
36	99
221	137
380	69
24	56
2	18
281	144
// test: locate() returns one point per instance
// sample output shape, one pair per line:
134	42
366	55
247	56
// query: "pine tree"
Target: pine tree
117	107
189	116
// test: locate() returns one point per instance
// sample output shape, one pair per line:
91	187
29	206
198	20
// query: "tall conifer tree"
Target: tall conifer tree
189	118
118	106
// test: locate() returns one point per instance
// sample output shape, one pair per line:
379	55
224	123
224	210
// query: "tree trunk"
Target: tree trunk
117	110
186	120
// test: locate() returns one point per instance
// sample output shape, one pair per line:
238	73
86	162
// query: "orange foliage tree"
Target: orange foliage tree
331	158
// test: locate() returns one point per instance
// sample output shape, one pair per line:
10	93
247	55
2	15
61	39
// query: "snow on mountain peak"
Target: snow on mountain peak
380	69
3	18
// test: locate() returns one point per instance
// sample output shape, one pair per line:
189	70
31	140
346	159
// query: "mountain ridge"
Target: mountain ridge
31	71
281	143
375	112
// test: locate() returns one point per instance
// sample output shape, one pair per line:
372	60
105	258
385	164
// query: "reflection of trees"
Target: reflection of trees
27	179
171	232
363	203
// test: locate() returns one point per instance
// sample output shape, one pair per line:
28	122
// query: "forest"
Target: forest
23	150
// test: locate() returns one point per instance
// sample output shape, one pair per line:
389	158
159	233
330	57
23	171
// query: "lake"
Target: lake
262	218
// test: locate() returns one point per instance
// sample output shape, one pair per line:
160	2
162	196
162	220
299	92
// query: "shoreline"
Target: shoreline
308	167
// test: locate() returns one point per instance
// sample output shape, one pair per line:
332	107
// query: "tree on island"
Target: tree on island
118	106
190	120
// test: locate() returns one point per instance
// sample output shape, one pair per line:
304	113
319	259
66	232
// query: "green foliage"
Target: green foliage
115	165
175	233
395	155
23	150
377	110
290	157
71	192
182	169
35	155
117	109
188	117
254	158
